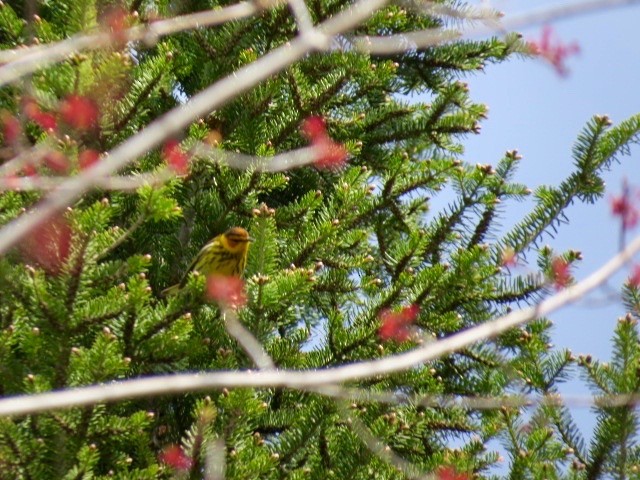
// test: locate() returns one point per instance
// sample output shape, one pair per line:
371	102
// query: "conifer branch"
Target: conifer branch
172	122
45	309
24	61
165	322
180	383
76	272
135	106
290	413
483	225
127	233
565	431
204	102
87	322
18	457
128	333
377	447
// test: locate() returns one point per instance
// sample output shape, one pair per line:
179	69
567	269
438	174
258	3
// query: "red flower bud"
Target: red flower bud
396	325
11	128
56	161
175	457
87	158
49	244
79	112
177	160
227	291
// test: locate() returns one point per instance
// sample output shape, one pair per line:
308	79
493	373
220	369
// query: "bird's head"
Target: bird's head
236	239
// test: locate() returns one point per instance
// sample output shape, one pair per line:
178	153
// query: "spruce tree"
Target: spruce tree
335	252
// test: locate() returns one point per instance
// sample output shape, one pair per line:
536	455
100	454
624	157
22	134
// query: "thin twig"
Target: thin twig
186	382
305	25
384	45
215	460
547	15
467	402
302	15
249	343
122	183
378	448
277	163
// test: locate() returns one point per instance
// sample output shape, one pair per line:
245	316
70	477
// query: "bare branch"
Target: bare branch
389	44
23	61
305	25
277	163
130	182
247	341
215	463
378	448
382	45
301	14
547	15
476	402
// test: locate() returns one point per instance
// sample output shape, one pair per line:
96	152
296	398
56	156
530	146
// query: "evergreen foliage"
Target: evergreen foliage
333	250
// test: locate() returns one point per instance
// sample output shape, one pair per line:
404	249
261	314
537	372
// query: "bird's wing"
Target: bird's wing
196	260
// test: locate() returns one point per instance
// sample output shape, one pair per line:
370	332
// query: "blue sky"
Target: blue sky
540	114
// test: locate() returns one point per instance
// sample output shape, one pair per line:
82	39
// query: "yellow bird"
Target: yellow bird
224	255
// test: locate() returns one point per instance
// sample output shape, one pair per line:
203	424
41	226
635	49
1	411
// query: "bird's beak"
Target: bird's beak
251	239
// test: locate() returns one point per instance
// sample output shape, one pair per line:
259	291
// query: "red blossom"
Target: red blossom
87	158
44	120
11	128
49	244
560	272
556	53
396	325
449	473
227	291
634	278
175	457
56	161
623	206
314	128
331	155
79	112
29	170
116	21
177	160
